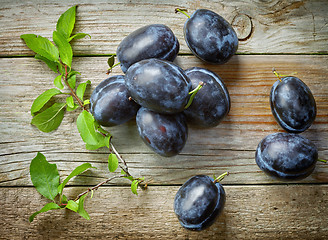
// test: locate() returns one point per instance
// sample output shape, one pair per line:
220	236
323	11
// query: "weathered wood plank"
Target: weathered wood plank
273	26
251	212
228	147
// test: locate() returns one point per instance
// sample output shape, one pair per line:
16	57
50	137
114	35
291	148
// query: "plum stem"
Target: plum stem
183	11
110	69
280	75
193	93
322	160
219	178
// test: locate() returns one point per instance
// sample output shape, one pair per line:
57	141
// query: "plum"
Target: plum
151	41
286	156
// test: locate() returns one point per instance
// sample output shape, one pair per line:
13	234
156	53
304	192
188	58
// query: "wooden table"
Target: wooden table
291	36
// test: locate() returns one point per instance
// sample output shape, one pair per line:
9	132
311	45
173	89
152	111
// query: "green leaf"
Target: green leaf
111	61
54	66
86	126
72	81
50	119
41	100
64	199
78	170
41	46
81	89
134	186
65	49
107	140
72	205
128	177
73	108
66	22
81	209
71	73
78	36
86	102
112	162
47	207
44	176
58	83
70	102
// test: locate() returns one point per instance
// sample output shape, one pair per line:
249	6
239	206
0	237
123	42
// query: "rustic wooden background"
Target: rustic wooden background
291	36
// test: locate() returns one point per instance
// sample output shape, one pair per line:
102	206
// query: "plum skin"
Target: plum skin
292	104
199	202
210	37
211	103
165	134
286	156
151	41
110	104
159	85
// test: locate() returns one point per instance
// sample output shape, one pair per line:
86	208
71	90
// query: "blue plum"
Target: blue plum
210	37
286	156
159	85
199	202
212	103
292	104
164	134
110	104
152	41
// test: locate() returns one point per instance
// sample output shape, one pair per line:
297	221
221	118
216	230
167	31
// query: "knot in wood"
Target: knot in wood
243	26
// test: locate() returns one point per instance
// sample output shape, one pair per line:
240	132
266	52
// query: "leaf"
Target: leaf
66	22
78	170
65	49
72	205
64	199
86	126
54	66
44	176
42	99
128	177
78	36
70	102
81	89
112	162
134	186
41	46
81	209
73	108
47	207
50	119
111	61
71	73
86	102
58	83
72	81
107	140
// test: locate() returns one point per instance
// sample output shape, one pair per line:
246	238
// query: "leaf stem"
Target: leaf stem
219	178
183	11
193	93
110	69
322	160
125	166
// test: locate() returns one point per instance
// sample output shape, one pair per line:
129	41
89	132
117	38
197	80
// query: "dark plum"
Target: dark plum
199	202
164	134
152	41
110	104
212	103
210	37
158	85
286	156
292	104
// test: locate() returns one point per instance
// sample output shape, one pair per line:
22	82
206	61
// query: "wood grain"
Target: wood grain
251	212
274	26
228	147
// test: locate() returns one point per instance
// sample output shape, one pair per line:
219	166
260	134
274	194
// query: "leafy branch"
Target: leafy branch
45	176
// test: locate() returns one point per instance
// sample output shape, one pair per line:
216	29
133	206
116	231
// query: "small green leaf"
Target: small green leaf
70	102
71	73
41	46
64	199
134	186
78	170
81	89
73	108
65	49
72	81
50	119
58	83
107	140
112	162
44	176
78	36
54	66
111	61
66	22
72	205
86	102
86	126
81	209
47	207
41	100
128	177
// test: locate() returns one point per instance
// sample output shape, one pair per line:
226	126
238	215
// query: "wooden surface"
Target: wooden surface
288	35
